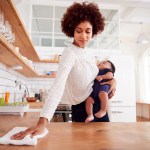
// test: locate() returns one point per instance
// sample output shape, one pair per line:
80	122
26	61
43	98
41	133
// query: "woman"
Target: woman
77	70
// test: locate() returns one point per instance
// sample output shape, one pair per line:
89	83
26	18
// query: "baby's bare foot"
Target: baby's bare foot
89	118
100	114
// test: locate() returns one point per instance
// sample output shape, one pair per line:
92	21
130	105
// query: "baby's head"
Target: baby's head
107	64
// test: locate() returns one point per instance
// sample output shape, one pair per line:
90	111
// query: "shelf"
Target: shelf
10	57
46	76
20	110
49	61
23	40
143	102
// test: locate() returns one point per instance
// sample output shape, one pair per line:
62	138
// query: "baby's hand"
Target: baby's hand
99	78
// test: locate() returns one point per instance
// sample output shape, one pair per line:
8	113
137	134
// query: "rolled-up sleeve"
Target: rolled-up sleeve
57	90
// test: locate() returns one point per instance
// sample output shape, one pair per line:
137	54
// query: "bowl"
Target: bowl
31	99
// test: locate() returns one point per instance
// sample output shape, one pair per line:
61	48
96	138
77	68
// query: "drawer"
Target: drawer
122	114
121	102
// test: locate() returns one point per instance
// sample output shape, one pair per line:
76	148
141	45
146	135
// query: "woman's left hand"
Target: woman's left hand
112	89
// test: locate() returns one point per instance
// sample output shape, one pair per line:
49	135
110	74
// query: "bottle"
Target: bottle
54	74
7	96
41	94
24	96
59	57
1	101
56	57
7	93
3	94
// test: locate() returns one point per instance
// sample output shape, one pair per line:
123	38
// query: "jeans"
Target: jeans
79	112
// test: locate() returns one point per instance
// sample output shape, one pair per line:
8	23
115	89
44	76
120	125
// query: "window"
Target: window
46	28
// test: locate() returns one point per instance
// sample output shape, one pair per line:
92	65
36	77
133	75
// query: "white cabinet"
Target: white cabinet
122	107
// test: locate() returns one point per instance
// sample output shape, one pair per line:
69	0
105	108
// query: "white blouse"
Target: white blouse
73	84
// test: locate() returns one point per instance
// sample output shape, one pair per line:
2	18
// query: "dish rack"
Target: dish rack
14	109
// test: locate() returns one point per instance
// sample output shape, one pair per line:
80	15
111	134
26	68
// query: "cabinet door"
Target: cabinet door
125	77
122	114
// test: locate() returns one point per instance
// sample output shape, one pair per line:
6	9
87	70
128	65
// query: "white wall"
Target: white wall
129	46
129	33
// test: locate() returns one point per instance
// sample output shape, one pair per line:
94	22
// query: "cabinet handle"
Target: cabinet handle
117	101
117	112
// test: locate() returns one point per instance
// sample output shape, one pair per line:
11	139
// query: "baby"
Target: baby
106	72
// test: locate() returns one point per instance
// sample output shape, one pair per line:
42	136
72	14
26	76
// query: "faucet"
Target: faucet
19	83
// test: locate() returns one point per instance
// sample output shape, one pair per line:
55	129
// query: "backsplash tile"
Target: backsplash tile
9	76
7	81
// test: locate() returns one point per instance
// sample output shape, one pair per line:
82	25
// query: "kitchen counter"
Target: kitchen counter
81	136
36	105
143	107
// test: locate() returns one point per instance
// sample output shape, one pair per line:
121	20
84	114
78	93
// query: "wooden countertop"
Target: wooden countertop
81	136
143	102
36	105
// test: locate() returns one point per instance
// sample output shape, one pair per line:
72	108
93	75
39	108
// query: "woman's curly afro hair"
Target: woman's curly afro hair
80	12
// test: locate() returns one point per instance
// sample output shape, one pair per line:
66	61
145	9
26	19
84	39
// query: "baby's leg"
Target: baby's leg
89	109
103	97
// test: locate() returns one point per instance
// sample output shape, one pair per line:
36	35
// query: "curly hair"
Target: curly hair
80	12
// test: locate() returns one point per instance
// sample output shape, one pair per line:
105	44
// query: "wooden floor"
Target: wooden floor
142	119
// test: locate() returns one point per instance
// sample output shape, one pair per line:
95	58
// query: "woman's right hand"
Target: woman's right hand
35	130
